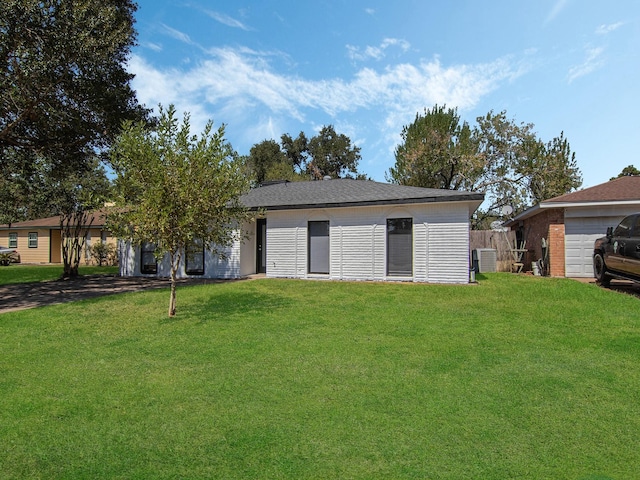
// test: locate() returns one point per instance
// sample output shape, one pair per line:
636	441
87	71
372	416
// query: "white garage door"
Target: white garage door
580	233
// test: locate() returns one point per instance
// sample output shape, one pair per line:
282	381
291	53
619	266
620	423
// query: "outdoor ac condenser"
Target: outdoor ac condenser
487	258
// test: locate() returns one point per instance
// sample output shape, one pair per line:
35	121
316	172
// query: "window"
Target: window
148	263
13	240
195	258
33	240
400	247
624	229
319	247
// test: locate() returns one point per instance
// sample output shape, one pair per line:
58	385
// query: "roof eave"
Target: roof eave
479	198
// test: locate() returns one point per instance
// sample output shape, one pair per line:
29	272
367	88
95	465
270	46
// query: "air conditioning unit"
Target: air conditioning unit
487	259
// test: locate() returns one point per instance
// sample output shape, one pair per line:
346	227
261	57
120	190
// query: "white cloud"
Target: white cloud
376	52
177	34
606	29
592	62
241	88
226	20
557	8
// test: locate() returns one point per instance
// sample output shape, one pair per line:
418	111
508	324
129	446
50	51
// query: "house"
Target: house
338	229
40	241
571	223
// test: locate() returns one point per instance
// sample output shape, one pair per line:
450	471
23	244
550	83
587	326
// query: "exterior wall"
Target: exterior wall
29	255
358	242
546	224
214	266
570	233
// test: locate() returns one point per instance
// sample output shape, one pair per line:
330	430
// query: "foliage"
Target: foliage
268	379
104	253
498	157
64	89
332	155
628	171
174	189
267	161
326	154
437	152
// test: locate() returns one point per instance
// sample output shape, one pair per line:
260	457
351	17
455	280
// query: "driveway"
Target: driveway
29	295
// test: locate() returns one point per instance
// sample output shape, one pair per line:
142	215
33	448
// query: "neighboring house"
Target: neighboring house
40	241
338	229
571	223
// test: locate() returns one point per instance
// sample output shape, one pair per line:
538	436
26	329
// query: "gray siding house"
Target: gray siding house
341	230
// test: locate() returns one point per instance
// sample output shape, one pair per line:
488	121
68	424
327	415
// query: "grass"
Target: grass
17	273
517	377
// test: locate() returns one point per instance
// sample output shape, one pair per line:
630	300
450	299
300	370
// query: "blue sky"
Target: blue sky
265	68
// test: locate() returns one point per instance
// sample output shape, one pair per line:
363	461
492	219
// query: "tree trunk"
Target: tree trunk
175	262
172	298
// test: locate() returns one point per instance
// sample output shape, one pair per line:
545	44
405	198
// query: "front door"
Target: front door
261	245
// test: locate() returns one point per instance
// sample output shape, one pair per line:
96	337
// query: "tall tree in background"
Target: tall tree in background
267	161
628	171
326	154
332	155
174	189
64	89
438	151
498	157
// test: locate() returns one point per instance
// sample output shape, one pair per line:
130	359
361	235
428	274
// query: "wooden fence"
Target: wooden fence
498	241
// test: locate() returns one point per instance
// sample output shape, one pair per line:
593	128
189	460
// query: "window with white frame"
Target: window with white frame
13	239
33	240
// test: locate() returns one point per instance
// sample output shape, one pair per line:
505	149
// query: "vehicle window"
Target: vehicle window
624	229
636	227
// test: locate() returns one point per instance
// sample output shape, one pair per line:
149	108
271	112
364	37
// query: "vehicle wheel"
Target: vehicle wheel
600	270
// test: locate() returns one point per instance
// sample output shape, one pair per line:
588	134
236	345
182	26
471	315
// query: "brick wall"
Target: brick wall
548	224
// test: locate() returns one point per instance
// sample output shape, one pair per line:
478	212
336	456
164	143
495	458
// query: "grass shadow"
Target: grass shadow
214	305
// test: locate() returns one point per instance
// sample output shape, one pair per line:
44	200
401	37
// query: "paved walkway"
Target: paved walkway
30	295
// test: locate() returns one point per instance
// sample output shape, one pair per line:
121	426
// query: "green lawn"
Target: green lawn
16	273
517	377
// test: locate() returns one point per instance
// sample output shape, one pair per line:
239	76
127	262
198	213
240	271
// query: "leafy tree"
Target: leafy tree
332	154
628	171
74	197
296	150
175	189
267	161
64	89
498	157
438	151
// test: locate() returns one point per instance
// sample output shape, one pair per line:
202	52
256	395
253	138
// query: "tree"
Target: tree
332	154
267	161
629	171
64	89
498	157
437	152
175	189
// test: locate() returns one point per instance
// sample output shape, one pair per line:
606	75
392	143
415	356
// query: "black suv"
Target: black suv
618	254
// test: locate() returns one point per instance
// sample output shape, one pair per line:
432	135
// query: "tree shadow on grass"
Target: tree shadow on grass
225	306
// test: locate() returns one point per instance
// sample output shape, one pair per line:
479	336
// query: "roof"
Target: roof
347	193
97	219
619	191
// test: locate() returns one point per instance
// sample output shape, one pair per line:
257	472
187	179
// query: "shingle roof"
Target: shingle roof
618	190
346	193
54	222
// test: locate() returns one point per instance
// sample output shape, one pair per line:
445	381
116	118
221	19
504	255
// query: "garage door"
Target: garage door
580	233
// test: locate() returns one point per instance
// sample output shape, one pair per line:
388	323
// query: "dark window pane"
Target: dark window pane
400	247
319	247
195	258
